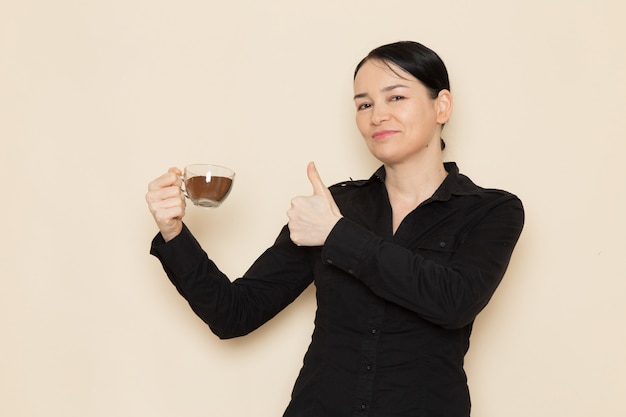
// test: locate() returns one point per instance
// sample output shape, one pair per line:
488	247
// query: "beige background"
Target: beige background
99	97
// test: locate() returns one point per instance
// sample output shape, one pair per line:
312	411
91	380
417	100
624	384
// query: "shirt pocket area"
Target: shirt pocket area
439	248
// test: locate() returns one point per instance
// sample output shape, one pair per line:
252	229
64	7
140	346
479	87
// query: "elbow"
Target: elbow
459	308
459	316
225	334
452	320
455	323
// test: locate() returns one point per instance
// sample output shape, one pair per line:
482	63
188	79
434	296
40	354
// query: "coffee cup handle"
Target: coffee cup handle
182	187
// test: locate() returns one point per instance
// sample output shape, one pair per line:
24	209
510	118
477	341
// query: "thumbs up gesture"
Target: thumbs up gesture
311	218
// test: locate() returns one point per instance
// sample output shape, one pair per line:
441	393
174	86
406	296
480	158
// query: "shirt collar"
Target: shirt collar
455	183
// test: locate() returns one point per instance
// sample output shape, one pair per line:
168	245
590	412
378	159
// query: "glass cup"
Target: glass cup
207	185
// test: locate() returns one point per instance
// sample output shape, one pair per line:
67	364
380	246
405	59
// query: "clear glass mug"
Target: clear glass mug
207	185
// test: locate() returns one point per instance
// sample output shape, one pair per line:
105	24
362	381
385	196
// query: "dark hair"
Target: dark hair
416	59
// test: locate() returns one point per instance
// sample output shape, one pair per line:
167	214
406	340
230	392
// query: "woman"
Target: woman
402	262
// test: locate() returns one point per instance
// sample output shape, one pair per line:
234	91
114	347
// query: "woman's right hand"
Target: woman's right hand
166	202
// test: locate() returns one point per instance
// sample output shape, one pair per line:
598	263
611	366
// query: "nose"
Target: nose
380	114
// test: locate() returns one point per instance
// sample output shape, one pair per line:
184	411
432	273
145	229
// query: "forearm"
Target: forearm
235	308
447	281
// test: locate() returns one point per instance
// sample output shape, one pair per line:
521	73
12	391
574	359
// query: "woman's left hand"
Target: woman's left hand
311	218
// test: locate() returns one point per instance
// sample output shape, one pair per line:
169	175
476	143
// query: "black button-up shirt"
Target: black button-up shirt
394	311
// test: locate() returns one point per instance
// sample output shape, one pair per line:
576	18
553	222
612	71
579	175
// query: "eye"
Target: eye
396	98
363	106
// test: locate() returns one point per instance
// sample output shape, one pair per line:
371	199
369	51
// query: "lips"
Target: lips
383	134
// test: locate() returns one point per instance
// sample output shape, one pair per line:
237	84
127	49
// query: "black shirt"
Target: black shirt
394	311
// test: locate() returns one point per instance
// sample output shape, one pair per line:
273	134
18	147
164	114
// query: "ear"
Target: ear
444	106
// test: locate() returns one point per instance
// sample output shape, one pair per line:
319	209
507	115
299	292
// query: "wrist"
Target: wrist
171	233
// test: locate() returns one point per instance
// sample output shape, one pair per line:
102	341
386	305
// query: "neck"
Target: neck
412	183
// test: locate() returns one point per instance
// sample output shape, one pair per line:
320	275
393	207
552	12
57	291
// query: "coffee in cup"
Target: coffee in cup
207	185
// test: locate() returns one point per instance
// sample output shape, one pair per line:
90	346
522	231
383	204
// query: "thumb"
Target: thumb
316	181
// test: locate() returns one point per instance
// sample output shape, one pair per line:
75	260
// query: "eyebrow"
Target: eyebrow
384	90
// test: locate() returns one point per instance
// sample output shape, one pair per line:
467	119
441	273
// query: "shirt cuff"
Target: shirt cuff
180	255
347	245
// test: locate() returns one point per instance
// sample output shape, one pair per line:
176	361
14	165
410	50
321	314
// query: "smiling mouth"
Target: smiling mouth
383	134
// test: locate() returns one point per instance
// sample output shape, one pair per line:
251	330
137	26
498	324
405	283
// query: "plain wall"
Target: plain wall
97	98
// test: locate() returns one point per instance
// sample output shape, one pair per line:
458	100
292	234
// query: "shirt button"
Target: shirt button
363	407
442	244
374	331
368	367
329	261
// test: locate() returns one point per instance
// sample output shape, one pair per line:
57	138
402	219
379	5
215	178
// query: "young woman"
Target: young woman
402	262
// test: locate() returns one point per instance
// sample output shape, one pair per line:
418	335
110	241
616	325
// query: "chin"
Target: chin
386	159
379	152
